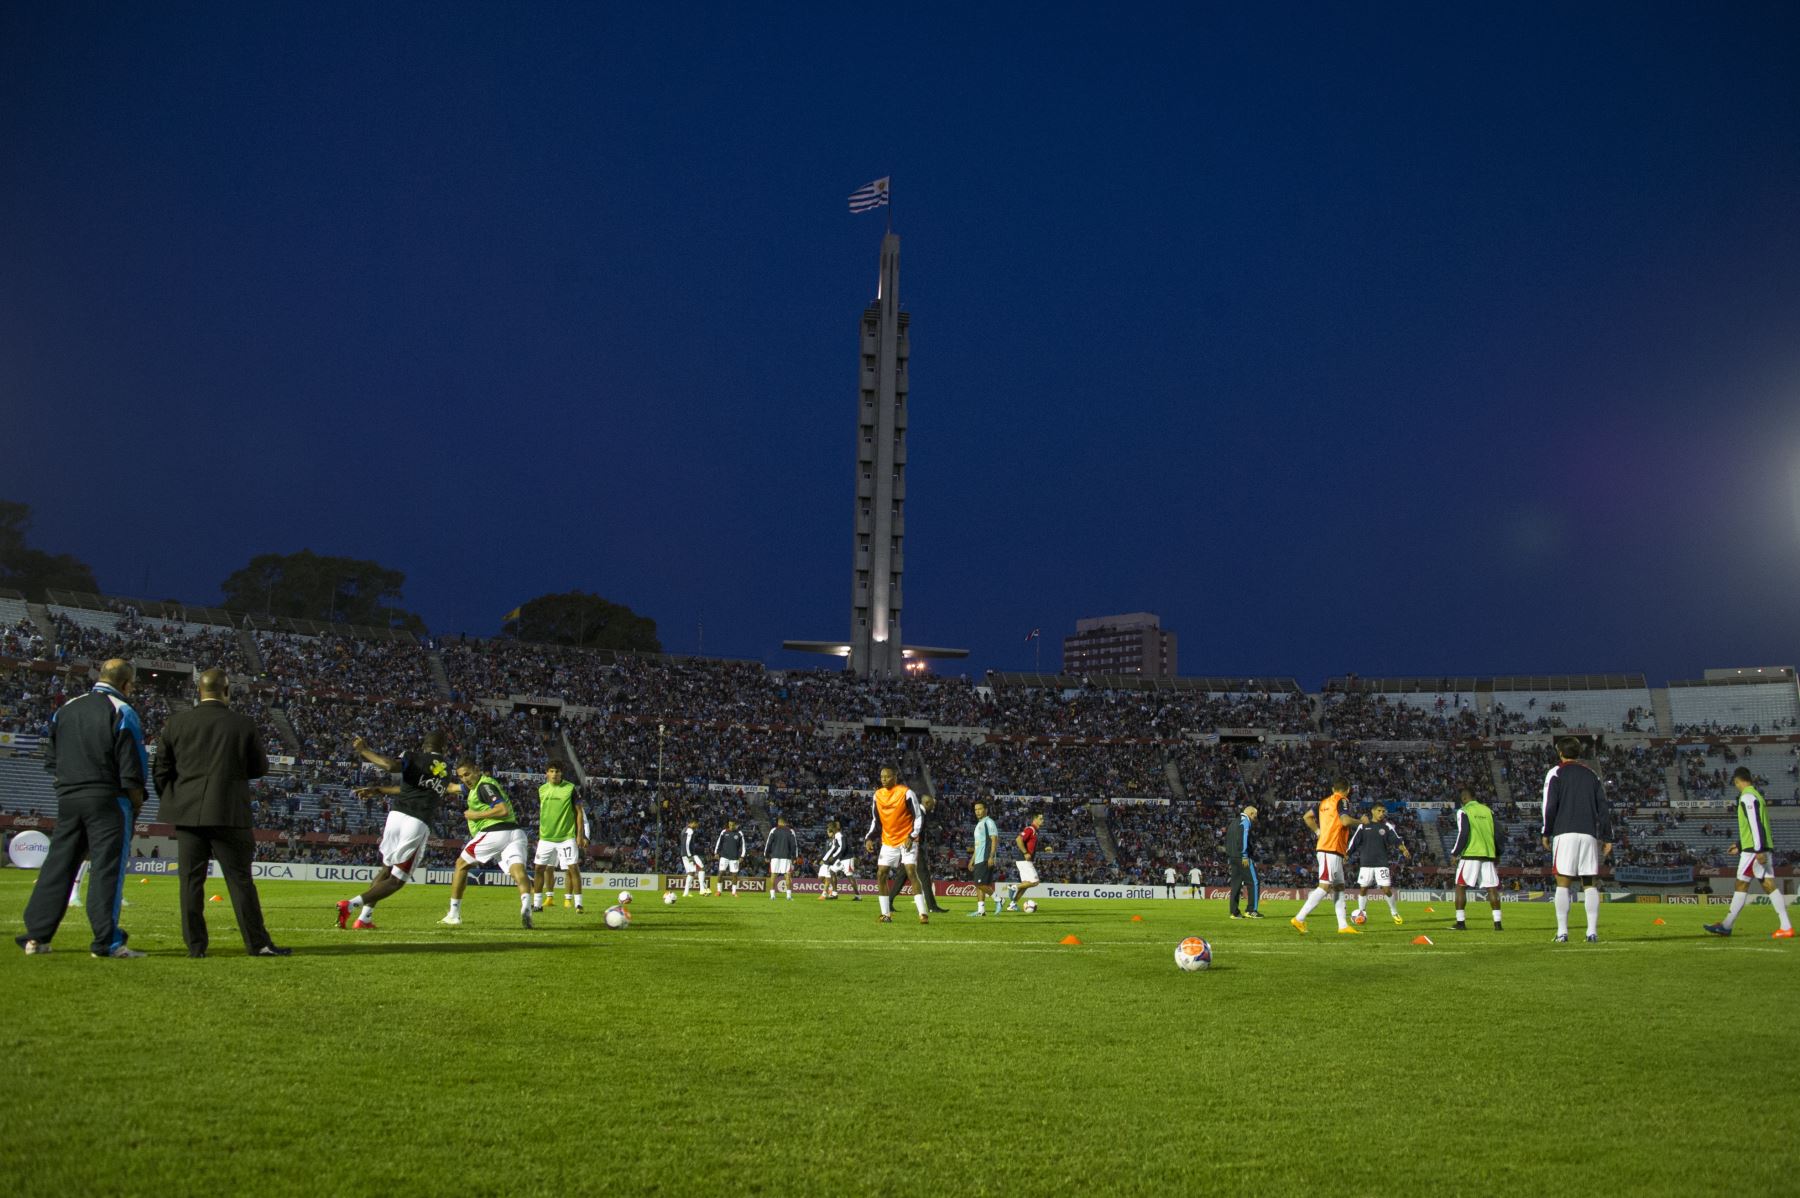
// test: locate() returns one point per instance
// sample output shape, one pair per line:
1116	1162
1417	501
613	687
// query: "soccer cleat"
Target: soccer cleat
976	915
36	948
1593	939
1012	906
924	919
363	925
451	921
1254	915
1299	925
1561	938
568	902
525	918
1459	927
74	903
1498	928
121	953
580	910
1398	921
1235	915
270	950
884	919
1347	930
1716	929
1782	934
343	912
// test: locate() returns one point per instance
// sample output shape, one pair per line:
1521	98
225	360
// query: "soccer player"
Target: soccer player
781	847
1027	844
1475	856
1194	880
424	780
1169	876
1239	840
693	864
835	844
562	834
985	856
494	835
729	849
1332	827
1372	847
1754	861
1577	823
897	813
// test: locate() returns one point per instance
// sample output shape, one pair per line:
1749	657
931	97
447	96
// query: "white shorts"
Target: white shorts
561	853
1027	871
1749	867
1480	874
403	841
846	866
897	854
693	865
1331	869
1194	880
508	846
1374	875
726	867
781	865
1577	855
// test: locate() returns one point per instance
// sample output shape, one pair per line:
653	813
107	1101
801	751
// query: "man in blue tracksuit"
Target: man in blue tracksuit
1238	845
96	751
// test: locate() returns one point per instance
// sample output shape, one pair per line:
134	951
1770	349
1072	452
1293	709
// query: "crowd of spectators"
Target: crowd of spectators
384	670
1360	716
1101	713
22	640
134	636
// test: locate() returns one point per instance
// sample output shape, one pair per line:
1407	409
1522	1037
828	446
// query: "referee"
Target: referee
1239	841
96	752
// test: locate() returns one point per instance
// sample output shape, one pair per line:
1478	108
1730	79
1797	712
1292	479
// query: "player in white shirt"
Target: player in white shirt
1194	880
1169	876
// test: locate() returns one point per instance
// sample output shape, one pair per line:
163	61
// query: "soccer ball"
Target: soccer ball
1193	954
669	898
618	917
1359	917
1030	905
624	897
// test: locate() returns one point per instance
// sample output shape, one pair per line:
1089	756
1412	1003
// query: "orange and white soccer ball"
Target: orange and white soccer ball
1359	918
1029	905
618	917
1193	954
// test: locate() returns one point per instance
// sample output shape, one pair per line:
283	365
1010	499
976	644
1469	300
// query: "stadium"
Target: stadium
1134	777
1364	359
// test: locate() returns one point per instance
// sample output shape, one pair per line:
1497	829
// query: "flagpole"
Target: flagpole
890	205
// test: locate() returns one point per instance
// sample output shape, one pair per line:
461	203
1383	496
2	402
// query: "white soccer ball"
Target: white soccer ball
1029	905
1359	917
618	917
624	897
669	898
1193	954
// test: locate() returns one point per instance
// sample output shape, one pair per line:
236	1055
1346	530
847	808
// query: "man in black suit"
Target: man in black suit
929	803
204	763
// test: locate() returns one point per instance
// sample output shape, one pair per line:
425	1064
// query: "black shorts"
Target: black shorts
984	874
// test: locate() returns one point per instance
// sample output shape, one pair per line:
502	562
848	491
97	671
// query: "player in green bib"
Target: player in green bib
562	835
494	837
1756	859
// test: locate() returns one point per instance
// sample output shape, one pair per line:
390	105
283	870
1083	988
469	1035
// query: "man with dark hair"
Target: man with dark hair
1026	842
781	847
205	760
1475	852
693	864
1331	824
1577	830
728	847
494	835
927	804
1755	864
983	858
1239	841
424	781
1372	848
562	834
95	750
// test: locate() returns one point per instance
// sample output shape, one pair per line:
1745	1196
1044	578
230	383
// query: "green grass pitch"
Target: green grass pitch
753	1047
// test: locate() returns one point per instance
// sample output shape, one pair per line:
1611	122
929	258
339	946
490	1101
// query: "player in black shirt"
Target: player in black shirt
424	780
1372	847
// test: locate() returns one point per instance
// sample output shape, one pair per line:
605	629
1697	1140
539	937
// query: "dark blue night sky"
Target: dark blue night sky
1391	338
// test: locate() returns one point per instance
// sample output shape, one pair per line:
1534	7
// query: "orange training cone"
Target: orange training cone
1071	940
1431	910
1137	919
1421	940
1658	921
216	898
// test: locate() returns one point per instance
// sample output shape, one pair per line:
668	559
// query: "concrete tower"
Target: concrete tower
877	550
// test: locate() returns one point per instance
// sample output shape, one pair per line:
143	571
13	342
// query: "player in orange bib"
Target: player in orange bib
898	814
1331	824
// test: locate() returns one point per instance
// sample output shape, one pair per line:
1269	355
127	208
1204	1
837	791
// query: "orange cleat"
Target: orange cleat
1782	934
343	912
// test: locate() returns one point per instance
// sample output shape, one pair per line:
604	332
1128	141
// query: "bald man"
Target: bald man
204	763
96	752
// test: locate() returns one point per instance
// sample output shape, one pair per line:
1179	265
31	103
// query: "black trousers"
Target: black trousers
924	871
98	830
235	849
1244	876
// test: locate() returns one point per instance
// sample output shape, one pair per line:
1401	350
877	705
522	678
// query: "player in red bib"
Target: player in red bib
1027	844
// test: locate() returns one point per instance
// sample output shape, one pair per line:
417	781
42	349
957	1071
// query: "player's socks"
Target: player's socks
1362	904
1590	897
1459	918
1496	919
356	902
1393	907
981	906
455	906
887	904
1563	902
578	902
1737	906
919	902
1312	900
524	902
1338	909
1778	900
